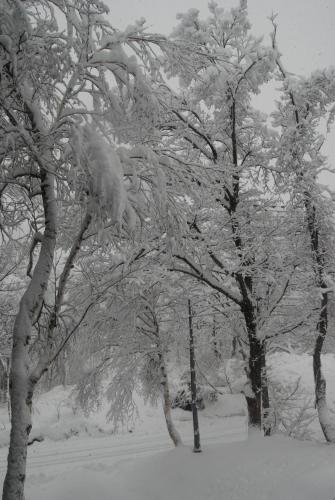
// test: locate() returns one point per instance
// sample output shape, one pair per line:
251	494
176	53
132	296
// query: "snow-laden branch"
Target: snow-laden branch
44	361
201	275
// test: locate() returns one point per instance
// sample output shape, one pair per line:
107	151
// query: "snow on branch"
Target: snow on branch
100	174
200	274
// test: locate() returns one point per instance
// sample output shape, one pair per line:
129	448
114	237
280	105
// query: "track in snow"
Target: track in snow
112	449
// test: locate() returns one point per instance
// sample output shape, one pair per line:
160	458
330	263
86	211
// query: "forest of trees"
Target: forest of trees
137	180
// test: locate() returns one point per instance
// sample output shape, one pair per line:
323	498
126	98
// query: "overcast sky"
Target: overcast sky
306	29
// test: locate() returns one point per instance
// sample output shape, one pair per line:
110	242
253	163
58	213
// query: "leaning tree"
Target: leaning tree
61	89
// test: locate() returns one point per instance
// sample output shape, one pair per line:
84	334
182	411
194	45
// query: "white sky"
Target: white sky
306	31
306	27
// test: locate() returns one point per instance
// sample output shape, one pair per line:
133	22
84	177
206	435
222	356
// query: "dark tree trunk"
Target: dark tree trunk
196	431
326	422
258	405
4	365
256	367
216	349
255	375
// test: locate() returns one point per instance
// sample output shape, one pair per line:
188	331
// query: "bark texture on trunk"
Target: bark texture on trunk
255	375
21	385
258	405
21	401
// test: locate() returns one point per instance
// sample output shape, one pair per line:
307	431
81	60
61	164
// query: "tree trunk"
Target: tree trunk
328	428
173	433
256	367
21	402
21	385
196	431
255	375
326	422
4	381
313	226
266	414
259	405
217	352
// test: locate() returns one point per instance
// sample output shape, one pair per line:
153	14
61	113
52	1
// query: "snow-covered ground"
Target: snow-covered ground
82	459
88	467
276	468
258	469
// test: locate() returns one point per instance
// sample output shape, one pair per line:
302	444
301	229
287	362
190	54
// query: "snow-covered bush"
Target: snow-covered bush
183	399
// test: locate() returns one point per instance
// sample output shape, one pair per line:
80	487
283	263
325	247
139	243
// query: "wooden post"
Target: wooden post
196	432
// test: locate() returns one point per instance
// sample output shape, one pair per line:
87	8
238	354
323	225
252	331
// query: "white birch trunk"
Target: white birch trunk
21	384
49	354
173	433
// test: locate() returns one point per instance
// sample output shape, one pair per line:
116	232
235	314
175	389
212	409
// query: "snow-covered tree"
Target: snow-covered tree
64	76
305	104
133	340
223	147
